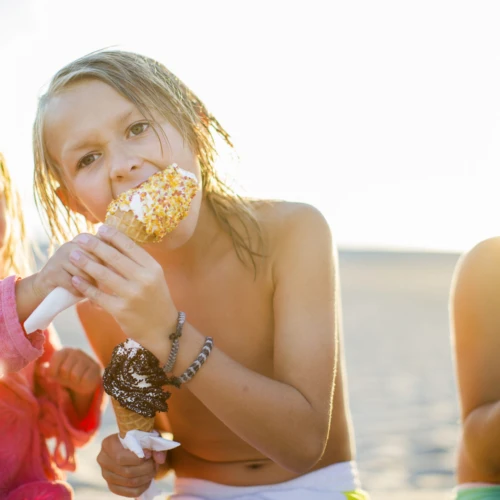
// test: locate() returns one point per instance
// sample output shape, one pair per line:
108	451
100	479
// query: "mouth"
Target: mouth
139	185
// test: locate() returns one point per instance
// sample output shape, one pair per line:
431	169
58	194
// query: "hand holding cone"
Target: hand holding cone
145	214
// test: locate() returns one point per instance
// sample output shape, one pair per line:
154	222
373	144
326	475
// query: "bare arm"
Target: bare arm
475	310
285	417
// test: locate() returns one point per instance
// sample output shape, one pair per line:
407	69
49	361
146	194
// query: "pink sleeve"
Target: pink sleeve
16	348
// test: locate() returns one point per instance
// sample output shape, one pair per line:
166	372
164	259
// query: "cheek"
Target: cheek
93	197
176	150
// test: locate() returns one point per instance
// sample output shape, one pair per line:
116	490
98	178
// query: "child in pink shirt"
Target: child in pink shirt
45	391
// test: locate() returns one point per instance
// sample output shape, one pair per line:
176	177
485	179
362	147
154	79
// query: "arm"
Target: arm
16	349
475	309
70	380
18	299
285	417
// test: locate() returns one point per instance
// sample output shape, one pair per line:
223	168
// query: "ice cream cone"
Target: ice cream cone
129	420
127	223
148	212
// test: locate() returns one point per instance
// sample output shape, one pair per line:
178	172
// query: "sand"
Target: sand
400	371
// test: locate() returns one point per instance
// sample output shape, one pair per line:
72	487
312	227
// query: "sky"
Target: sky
385	115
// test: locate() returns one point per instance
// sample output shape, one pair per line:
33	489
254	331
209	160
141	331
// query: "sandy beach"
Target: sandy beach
400	372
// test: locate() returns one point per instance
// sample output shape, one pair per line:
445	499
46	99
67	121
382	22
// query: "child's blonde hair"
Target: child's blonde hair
14	253
149	86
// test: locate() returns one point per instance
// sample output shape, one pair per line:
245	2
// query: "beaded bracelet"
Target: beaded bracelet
198	362
174	337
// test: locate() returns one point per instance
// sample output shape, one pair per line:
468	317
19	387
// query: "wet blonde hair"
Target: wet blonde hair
14	254
149	86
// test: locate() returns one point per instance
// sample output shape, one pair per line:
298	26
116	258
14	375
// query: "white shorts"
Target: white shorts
334	482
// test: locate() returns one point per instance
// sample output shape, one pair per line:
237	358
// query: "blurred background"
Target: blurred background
385	115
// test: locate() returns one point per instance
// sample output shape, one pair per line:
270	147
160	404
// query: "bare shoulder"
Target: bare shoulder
475	295
285	223
478	271
102	331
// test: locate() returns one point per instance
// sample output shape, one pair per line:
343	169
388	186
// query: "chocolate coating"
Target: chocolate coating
135	379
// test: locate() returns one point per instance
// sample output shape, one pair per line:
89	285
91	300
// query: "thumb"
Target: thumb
159	456
42	369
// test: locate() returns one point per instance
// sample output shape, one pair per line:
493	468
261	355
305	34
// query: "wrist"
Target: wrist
37	290
81	401
158	341
28	298
159	345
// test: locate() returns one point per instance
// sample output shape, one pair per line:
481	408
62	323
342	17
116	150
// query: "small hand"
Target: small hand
75	370
127	474
131	286
58	271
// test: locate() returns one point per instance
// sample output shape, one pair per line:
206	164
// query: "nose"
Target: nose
124	166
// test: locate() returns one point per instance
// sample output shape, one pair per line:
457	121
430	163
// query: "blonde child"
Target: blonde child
263	413
475	307
45	391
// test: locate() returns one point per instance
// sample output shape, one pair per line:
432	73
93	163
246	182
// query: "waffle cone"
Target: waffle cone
126	223
129	420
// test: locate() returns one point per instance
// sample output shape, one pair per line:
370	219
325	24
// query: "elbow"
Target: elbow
308	451
480	448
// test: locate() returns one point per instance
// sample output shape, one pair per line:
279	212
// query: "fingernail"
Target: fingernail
76	280
147	454
82	238
75	255
104	229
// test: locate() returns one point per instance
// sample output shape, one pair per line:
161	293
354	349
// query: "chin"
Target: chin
177	238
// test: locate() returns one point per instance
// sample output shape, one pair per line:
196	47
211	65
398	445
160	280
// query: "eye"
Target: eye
138	128
87	160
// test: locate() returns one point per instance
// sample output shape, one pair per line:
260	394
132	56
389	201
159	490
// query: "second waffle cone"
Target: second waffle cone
129	420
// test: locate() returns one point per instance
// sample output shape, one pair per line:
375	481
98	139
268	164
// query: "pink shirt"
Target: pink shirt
34	409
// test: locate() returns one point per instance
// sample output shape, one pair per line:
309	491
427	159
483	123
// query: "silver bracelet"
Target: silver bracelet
169	365
198	362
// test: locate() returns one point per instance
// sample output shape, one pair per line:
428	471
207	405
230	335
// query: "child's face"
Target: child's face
104	146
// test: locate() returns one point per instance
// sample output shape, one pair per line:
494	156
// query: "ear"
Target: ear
74	205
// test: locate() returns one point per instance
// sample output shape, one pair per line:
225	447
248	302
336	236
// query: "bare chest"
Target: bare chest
232	306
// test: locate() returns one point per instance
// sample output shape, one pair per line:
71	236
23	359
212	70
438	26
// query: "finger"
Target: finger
42	369
65	368
91	373
74	270
128	492
108	302
159	456
125	463
124	244
57	359
115	259
67	284
136	481
75	371
98	272
105	252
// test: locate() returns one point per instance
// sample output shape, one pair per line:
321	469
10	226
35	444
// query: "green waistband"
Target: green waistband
356	495
481	493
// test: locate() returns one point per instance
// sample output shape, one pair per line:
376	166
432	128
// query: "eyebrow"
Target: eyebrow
88	142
